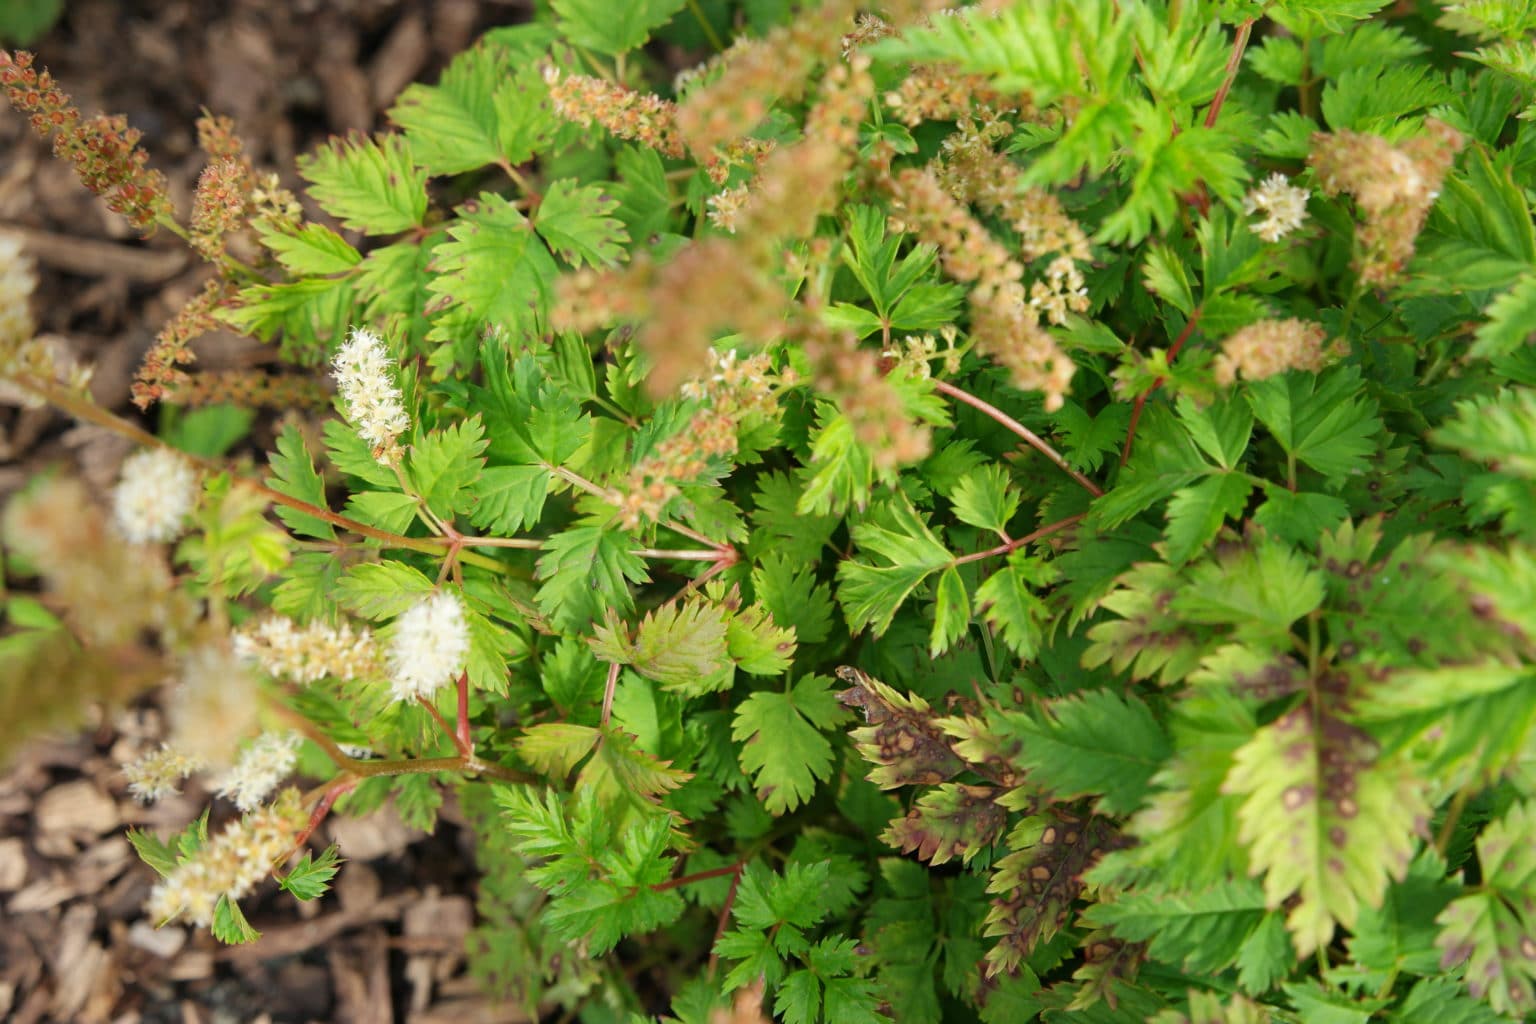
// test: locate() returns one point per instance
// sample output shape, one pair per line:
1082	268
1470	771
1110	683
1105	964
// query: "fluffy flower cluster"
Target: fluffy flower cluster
1063	290
1393	187
264	763
370	399
305	654
637	116
230	863
1283	205
21	352
214	705
154	496
920	350
724	208
159	773
1003	323
1274	346
113	592
429	645
734	390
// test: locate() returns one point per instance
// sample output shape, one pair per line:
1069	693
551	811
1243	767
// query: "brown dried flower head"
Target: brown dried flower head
1270	347
1393	188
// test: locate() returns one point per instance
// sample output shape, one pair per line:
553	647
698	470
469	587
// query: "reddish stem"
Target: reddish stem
1234	62
466	746
725	917
1141	399
1031	438
321	810
1014	545
1201	198
698	876
608	688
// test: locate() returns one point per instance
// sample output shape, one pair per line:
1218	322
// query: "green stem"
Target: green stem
404	766
709	30
1452	817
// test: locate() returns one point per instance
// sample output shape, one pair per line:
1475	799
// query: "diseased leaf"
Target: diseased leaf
1351	820
577	223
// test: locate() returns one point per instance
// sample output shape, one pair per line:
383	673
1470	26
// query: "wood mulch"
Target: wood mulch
387	945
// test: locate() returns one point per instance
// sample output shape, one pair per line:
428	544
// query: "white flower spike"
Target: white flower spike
430	643
370	398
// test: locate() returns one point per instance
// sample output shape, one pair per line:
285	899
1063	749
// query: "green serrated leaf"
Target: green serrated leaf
577	223
311	877
1097	744
1321	419
986	498
381	590
609	29
308	248
1196	514
370	185
494	269
230	925
293	474
784	749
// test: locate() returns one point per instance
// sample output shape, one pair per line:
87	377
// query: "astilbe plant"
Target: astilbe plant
1025	510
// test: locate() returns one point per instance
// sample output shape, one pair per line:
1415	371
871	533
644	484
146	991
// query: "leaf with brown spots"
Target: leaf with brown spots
1036	885
1493	928
901	738
1324	819
954	820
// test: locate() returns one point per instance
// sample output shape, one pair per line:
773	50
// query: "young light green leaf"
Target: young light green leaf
370	185
986	498
951	612
311	877
680	645
230	925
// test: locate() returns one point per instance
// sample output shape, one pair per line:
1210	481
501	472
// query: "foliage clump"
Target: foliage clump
1019	511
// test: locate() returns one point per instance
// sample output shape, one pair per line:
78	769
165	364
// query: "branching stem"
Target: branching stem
1141	399
1014	545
